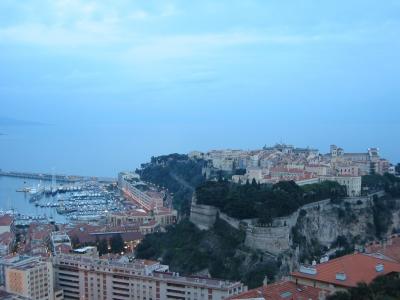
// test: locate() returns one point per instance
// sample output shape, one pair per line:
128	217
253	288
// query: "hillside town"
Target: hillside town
302	165
95	259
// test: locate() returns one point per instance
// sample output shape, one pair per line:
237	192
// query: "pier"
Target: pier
58	177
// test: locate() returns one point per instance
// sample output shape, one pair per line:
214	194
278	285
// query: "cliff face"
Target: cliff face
326	223
315	229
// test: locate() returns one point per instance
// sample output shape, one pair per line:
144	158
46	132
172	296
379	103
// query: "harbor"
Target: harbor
63	202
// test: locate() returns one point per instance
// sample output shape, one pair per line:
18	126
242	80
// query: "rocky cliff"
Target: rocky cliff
317	229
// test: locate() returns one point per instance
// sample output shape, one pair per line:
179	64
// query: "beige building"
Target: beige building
30	277
319	170
89	277
161	216
347	170
352	184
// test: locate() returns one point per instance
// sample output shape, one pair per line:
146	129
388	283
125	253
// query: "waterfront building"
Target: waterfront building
90	277
150	206
147	200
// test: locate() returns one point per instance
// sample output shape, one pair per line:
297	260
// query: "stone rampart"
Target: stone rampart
273	239
203	216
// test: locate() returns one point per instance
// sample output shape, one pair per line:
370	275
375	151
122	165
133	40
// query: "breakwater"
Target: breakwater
57	177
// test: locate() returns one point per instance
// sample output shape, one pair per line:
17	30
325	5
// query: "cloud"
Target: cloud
83	33
125	31
70	23
189	45
138	15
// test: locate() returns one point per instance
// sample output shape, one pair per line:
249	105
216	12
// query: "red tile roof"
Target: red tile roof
282	290
6	238
63	249
6	220
390	249
357	268
40	235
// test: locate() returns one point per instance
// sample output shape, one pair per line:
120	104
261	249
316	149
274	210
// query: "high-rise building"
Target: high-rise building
31	277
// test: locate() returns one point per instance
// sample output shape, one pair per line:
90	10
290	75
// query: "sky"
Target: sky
94	87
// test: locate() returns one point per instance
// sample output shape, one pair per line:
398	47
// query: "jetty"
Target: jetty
57	177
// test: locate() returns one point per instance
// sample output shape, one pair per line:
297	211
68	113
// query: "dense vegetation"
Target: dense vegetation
262	201
219	250
382	215
382	288
388	182
115	244
383	207
176	172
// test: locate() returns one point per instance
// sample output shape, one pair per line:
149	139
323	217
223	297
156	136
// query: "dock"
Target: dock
57	177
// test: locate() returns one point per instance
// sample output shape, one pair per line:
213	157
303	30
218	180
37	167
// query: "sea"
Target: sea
11	200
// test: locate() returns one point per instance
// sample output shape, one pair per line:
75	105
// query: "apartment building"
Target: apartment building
89	277
351	183
147	200
30	277
150	203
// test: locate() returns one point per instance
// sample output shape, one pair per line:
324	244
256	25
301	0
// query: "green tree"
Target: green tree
117	243
397	168
102	246
75	241
382	288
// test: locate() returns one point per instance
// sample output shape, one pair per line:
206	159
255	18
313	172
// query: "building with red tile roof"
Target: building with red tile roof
87	234
282	290
389	249
6	220
63	248
345	272
6	242
5	223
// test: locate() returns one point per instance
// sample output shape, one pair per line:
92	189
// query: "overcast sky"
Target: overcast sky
113	82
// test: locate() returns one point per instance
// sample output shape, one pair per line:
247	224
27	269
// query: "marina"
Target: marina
34	200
